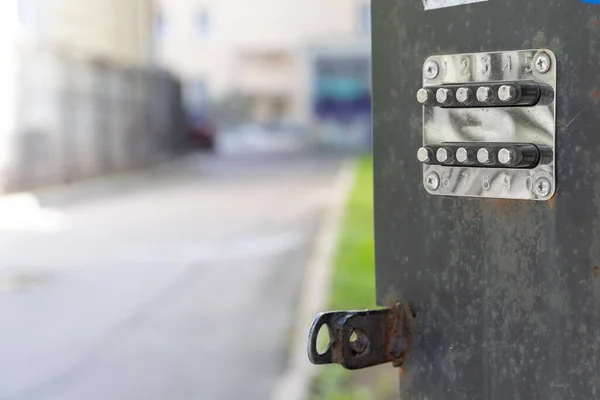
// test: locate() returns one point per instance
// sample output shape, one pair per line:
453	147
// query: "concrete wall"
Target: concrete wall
76	119
78	97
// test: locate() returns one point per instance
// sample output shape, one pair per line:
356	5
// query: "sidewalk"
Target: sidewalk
295	382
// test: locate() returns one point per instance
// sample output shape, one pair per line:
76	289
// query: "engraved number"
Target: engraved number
508	64
445	67
529	183
485	182
465	64
486	65
528	66
507	182
466	176
446	180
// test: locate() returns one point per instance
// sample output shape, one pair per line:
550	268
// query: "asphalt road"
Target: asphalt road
176	284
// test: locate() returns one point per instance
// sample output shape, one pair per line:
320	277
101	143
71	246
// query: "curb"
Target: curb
295	382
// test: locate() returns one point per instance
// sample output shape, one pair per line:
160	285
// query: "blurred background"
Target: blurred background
185	184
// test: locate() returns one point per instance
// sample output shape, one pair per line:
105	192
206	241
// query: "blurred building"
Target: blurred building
292	60
80	98
113	30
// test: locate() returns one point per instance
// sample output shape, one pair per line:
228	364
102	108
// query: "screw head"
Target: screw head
483	156
542	187
432	69
542	62
432	181
507	93
443	155
505	156
443	96
463	95
424	95
462	155
424	154
484	94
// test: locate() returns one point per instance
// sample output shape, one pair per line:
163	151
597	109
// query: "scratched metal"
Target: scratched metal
434	4
535	125
507	293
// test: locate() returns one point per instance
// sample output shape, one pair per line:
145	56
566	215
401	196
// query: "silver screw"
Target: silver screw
542	62
424	95
443	155
483	156
505	156
543	187
443	96
424	154
432	69
507	93
432	181
462	155
484	94
463	95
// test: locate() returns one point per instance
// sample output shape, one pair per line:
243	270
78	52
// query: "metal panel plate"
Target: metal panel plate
536	124
506	292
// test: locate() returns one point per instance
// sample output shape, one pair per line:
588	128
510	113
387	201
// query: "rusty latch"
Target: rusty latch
361	339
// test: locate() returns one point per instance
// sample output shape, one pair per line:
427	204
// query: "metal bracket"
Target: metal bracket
361	339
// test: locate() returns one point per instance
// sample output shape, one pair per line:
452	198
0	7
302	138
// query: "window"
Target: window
203	23
159	24
364	15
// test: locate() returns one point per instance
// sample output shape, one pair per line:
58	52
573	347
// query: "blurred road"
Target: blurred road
180	284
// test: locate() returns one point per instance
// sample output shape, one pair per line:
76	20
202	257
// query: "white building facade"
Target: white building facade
262	50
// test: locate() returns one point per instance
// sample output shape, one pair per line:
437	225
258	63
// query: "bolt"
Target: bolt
506	156
543	187
432	181
443	155
462	155
484	94
542	62
424	95
483	156
432	69
463	95
507	93
424	155
443	96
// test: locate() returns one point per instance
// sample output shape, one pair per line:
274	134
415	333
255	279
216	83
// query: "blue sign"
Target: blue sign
591	1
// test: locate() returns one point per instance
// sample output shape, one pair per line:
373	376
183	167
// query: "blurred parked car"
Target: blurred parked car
202	133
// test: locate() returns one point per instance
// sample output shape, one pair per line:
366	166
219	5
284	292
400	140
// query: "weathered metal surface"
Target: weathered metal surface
506	293
361	339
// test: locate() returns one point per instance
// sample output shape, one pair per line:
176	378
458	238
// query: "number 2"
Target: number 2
465	64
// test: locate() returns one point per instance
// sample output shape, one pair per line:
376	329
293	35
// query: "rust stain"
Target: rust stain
596	94
552	202
596	22
596	271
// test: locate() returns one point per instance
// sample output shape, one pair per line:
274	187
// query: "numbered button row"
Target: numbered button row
498	155
490	94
